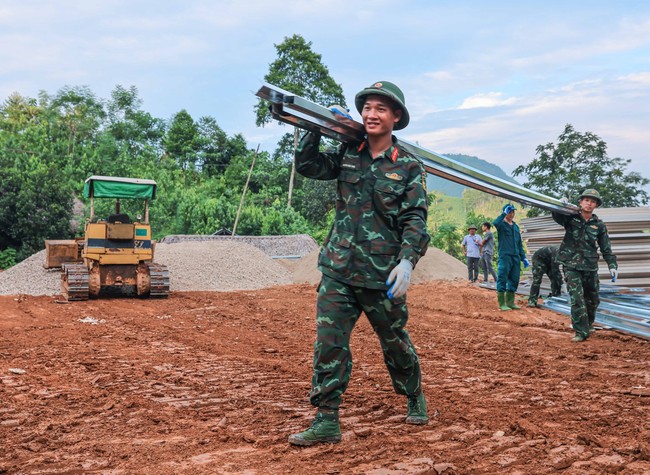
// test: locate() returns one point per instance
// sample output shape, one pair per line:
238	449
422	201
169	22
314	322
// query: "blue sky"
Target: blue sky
490	79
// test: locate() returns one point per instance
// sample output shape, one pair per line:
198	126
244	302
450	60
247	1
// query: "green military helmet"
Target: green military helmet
390	90
471	226
591	193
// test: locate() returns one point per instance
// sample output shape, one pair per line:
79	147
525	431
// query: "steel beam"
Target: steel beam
291	109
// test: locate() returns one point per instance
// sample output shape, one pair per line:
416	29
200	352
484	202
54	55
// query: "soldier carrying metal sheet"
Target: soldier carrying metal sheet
378	235
579	256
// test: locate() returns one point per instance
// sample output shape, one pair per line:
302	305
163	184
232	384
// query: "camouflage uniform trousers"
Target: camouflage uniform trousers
554	274
583	287
338	308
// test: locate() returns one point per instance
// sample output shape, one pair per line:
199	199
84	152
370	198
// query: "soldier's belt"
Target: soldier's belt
291	109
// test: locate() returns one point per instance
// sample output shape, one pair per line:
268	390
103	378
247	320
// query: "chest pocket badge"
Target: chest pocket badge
394	176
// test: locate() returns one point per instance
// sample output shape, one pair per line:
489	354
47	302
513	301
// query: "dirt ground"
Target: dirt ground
214	382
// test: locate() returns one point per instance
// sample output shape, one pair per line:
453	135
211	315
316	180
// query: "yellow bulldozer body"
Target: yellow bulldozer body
115	256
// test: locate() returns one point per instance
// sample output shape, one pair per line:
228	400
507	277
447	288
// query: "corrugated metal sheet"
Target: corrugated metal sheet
623	311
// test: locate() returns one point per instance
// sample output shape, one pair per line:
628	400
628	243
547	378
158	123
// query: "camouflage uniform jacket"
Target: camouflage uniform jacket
578	249
546	257
381	209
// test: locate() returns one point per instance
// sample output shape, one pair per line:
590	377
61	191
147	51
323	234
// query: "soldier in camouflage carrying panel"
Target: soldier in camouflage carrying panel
579	256
545	262
378	235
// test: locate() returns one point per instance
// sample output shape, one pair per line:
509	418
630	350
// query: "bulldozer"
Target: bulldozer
115	257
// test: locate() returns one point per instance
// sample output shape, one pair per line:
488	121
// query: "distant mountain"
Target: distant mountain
454	189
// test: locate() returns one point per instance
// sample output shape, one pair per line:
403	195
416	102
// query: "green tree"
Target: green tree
216	150
7	258
35	189
476	220
316	199
448	238
135	135
299	70
79	116
181	141
51	144
579	161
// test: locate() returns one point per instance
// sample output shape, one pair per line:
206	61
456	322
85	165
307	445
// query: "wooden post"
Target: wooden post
241	202
293	165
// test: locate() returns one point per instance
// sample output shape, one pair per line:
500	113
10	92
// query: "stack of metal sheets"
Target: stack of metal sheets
629	232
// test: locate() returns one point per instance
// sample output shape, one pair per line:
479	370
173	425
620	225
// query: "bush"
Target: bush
8	258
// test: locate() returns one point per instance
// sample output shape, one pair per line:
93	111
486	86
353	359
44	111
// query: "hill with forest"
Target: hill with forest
450	188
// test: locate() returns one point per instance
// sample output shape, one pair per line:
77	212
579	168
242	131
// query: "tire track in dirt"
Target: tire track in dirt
215	382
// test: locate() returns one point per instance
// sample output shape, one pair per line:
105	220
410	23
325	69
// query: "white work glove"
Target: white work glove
401	275
614	273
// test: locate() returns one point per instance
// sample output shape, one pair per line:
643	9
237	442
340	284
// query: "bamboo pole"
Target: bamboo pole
241	202
293	165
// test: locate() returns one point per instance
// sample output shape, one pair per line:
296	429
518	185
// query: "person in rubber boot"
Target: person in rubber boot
511	255
378	235
578	254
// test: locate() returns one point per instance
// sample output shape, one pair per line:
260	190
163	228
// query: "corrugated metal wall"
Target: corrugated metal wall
629	231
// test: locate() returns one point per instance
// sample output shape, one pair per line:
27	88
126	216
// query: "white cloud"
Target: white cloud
489	99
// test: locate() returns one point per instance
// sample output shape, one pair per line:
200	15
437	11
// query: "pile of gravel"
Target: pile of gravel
434	265
224	263
297	245
200	265
220	265
31	278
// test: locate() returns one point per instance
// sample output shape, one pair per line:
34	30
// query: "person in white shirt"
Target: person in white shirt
472	249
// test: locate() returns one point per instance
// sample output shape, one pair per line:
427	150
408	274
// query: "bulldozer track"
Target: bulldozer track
74	282
159	275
